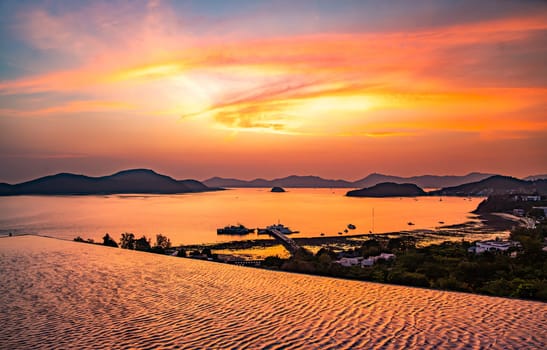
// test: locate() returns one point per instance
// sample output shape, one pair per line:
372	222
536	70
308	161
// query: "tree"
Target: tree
127	241
163	241
142	244
109	242
273	261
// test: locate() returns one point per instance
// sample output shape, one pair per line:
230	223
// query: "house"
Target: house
492	245
347	262
371	260
530	198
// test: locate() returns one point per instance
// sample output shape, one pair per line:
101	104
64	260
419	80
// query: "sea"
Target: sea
58	294
194	218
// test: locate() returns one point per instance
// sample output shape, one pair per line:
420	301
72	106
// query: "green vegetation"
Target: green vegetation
128	241
447	266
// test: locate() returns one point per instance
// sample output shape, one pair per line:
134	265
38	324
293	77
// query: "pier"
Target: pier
288	243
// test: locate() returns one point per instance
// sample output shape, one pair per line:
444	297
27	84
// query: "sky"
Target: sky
246	89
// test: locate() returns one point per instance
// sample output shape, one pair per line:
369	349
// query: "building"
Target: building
371	260
347	262
529	198
492	246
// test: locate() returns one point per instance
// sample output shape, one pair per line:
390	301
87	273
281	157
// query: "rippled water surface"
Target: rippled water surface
194	218
58	294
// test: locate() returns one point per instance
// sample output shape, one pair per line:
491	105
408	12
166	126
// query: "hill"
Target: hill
293	181
423	181
388	189
142	181
495	185
536	177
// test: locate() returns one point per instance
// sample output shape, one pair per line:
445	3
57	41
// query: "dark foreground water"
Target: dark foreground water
57	294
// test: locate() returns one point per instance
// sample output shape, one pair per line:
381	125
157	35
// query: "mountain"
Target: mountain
127	181
495	185
424	181
388	189
535	177
289	181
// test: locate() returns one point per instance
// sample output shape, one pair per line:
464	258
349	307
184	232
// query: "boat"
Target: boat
279	227
410	223
262	231
322	234
351	226
234	230
441	222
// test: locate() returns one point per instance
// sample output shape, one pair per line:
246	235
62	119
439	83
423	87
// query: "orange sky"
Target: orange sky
336	90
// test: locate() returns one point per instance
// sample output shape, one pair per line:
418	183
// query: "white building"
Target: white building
493	245
347	262
373	259
530	198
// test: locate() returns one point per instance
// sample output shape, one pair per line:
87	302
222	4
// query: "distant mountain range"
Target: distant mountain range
424	181
141	181
536	177
289	181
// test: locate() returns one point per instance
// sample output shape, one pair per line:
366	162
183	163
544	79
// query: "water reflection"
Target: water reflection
194	218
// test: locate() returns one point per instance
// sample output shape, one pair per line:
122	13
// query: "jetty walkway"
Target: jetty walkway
288	243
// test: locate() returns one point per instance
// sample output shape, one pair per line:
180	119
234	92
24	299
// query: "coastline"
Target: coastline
487	224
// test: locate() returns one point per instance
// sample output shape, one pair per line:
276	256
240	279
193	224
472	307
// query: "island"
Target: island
277	189
388	189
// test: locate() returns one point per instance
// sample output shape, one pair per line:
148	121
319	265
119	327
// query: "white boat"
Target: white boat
281	228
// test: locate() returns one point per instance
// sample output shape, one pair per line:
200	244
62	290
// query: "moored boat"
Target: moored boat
279	227
234	230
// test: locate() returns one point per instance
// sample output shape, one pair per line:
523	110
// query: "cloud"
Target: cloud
444	73
70	107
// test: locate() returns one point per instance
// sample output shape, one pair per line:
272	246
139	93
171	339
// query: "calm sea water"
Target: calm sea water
64	295
194	218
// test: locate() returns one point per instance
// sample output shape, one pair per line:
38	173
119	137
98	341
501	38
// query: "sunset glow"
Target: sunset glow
245	89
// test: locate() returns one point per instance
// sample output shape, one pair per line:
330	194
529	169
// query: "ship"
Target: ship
279	227
234	230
